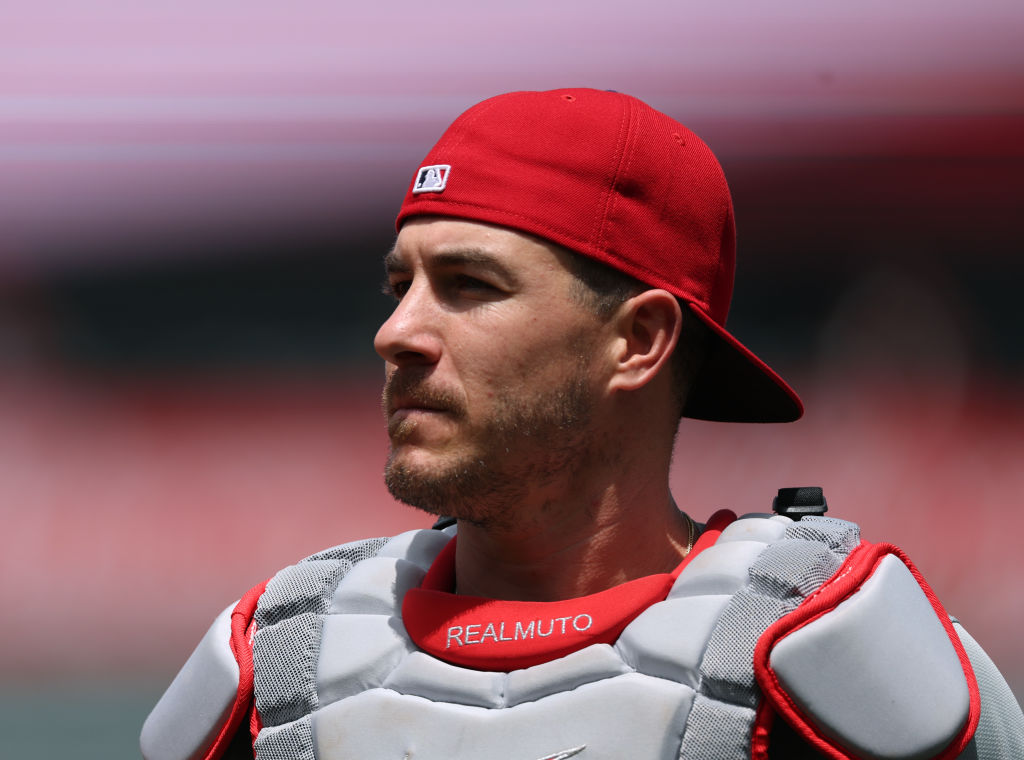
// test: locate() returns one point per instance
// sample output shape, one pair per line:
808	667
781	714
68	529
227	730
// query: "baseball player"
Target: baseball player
562	273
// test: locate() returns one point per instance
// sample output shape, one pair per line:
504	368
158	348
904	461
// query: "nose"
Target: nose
411	334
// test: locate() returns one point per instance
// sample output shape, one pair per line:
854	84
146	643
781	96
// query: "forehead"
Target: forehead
441	241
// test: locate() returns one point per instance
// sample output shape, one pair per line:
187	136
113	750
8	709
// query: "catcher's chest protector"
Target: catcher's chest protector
861	662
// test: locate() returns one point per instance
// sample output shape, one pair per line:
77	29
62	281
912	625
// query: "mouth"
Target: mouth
408	400
405	410
405	404
406	419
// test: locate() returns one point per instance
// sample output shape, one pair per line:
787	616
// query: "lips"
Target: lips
422	401
411	405
405	413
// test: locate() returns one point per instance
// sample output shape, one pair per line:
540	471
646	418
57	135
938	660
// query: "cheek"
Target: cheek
544	363
505	370
519	352
500	352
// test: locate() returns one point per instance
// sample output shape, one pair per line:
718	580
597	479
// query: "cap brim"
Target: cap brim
733	385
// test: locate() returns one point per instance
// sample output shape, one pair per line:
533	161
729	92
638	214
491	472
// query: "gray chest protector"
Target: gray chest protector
338	676
777	619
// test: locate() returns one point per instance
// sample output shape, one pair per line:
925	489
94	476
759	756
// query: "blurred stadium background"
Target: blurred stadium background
194	200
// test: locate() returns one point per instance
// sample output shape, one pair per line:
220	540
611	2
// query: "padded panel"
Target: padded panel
756	526
719	569
593	663
190	714
878	673
629	716
293	741
718	731
375	586
420	547
422	675
284	657
793	568
357	652
668	639
841	536
302	587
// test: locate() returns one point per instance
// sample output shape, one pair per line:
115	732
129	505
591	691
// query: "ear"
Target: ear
647	329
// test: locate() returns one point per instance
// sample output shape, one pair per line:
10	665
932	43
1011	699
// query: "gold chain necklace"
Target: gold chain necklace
691	531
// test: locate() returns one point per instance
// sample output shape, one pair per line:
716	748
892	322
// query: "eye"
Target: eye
466	282
396	288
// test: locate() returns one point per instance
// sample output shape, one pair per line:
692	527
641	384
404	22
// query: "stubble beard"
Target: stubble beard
526	443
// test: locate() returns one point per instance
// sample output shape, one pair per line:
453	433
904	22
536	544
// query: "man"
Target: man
562	273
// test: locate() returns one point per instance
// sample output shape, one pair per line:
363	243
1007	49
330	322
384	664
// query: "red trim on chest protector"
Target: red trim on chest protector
243	628
500	635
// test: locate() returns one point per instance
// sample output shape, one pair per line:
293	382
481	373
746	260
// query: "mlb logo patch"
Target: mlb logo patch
431	179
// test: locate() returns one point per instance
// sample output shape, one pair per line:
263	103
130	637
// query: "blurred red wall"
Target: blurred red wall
134	513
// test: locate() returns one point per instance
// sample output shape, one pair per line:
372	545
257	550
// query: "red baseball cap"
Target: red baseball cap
607	176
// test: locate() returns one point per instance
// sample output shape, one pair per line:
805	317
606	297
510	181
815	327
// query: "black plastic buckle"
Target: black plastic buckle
800	502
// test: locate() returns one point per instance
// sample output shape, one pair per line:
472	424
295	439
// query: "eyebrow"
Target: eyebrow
456	257
393	262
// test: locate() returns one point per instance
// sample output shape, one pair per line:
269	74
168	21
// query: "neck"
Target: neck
605	519
574	546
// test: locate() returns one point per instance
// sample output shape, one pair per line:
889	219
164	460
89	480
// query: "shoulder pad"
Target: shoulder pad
202	709
189	716
870	664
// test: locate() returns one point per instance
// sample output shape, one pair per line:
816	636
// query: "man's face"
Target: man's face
490	372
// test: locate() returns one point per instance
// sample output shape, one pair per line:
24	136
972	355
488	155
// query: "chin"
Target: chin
463	487
418	460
